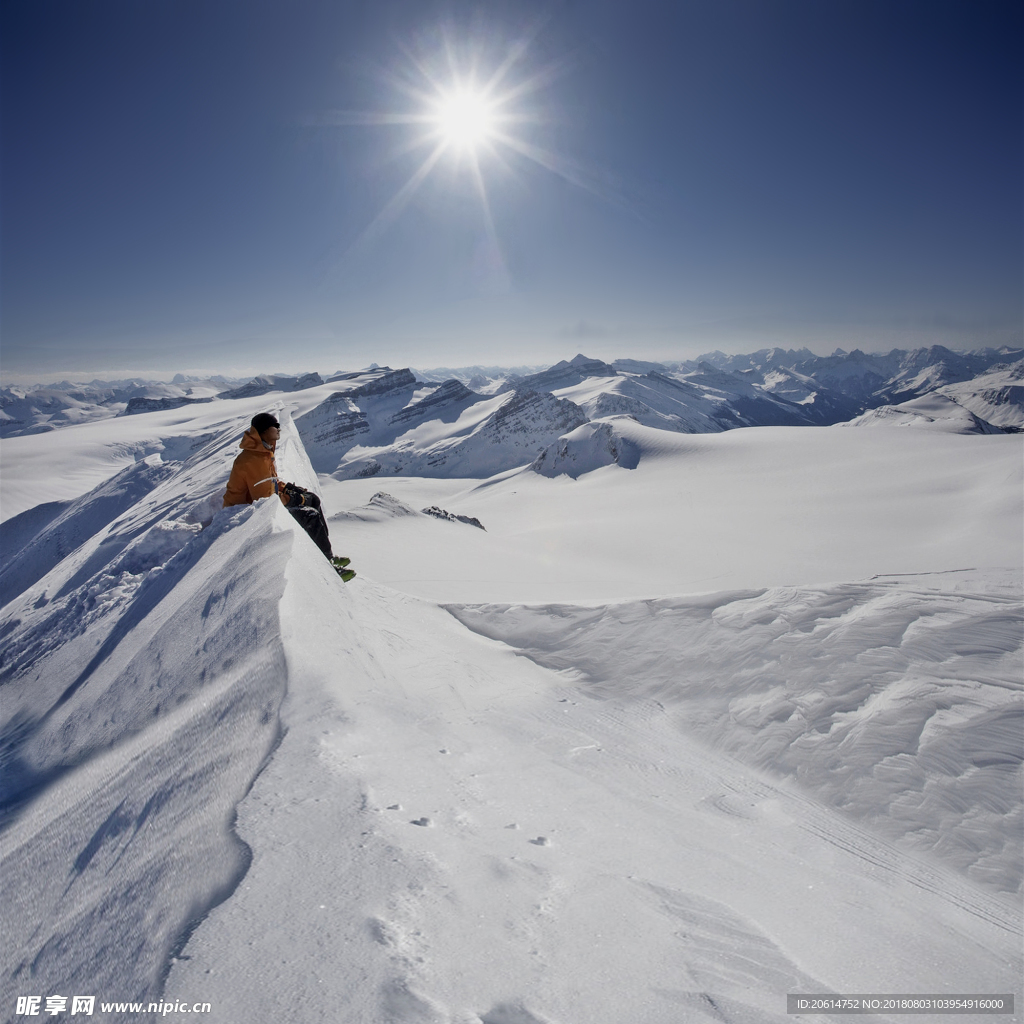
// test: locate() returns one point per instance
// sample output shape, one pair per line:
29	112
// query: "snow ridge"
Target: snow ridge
142	673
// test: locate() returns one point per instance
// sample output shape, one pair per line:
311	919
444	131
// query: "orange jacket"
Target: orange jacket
254	473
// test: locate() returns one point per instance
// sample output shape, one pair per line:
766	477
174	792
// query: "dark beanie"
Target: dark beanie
263	421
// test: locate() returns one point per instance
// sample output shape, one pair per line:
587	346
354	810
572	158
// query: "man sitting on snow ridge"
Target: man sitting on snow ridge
254	476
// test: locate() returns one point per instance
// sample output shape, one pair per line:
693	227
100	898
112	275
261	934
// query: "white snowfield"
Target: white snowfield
658	744
766	506
934	411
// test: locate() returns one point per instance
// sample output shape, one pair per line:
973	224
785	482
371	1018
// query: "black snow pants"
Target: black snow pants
311	518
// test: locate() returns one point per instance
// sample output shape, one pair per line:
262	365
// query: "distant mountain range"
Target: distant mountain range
43	407
456	422
571	415
395	424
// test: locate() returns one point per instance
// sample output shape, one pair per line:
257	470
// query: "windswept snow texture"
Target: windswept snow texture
142	670
38	552
451	833
230	777
898	702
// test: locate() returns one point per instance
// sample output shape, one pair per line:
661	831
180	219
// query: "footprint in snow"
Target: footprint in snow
512	1013
540	841
394	807
422	822
402	1002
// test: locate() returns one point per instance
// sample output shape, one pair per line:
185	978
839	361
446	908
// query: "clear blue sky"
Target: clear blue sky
178	192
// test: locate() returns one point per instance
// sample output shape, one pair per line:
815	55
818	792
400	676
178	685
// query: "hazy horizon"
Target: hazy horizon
9	379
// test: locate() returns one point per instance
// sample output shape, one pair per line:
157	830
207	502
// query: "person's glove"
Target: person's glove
293	494
299	496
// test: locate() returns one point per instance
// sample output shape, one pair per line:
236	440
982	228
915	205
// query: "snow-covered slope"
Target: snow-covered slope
743	402
33	410
768	506
229	777
822	405
832	389
924	370
374	413
933	412
141	677
445	431
655	399
448	833
64	465
43	542
716	392
485	380
996	396
896	701
589	447
708	399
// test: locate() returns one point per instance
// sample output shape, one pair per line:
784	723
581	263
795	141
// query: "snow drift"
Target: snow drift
897	702
230	777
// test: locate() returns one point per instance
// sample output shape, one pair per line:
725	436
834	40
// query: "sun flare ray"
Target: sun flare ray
398	201
566	169
472	118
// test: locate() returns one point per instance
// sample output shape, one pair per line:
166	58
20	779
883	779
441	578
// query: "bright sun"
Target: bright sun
471	119
465	119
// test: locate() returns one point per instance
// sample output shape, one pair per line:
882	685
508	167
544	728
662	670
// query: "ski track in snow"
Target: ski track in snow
229	777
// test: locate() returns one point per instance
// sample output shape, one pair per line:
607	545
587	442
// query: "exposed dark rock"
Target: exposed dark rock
352	375
526	409
563	375
263	385
444	403
393	381
440	513
137	405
